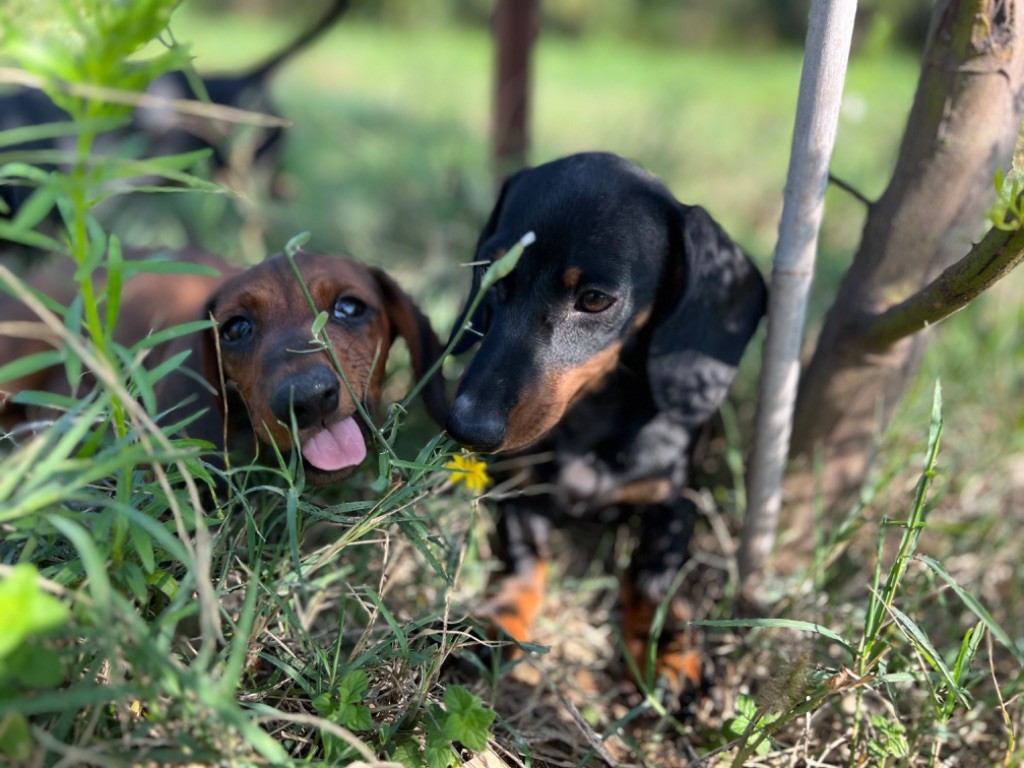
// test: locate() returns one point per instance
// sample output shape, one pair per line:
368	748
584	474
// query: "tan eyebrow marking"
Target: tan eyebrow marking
572	276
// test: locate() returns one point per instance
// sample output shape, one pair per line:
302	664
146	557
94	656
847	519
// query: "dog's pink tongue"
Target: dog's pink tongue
340	445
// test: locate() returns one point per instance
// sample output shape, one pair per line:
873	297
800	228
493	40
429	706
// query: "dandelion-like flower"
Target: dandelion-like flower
470	470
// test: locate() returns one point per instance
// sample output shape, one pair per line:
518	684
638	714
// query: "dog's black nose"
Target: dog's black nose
481	429
311	395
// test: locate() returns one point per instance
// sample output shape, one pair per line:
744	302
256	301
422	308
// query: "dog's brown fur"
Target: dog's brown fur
235	383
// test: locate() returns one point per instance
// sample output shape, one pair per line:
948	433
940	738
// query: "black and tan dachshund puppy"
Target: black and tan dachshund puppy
610	345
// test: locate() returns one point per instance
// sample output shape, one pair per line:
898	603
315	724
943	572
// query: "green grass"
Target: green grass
290	622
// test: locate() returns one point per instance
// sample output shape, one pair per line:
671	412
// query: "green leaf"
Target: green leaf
25	134
174	332
143	386
25	366
409	754
15	738
74	427
35	666
399	634
467	720
35	209
113	167
164	267
353	687
163	582
295	244
24	171
115	272
440	755
356	717
94	563
30	237
747	707
97	249
502	267
747	724
173	363
318	324
968	649
893	735
135	580
924	647
324	703
976	608
45	399
803	626
344	705
336	751
179	162
73	321
27	609
736	727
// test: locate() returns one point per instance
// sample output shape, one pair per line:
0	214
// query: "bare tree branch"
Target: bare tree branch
850	190
986	264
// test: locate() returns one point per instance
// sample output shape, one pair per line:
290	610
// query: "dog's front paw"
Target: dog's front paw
509	615
683	674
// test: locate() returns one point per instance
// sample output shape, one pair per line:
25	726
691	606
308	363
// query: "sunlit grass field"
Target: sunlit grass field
387	159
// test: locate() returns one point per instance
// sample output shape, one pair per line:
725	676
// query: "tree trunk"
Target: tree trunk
962	127
515	29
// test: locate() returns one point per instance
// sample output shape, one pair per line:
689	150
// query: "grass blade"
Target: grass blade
975	607
801	626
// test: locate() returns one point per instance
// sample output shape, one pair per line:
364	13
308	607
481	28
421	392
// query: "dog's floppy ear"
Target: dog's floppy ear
412	325
481	319
714	307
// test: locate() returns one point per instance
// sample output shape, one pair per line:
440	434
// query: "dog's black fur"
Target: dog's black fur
610	345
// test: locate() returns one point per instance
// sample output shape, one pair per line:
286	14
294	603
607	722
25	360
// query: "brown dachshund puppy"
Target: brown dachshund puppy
257	372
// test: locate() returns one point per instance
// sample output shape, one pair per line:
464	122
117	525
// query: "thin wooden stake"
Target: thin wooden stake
826	52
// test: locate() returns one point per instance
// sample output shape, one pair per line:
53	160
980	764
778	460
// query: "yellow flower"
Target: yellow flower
471	471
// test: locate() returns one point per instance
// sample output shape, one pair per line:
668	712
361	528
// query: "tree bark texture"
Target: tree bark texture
961	129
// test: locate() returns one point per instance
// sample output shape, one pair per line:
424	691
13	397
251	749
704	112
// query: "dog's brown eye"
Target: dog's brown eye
236	328
594	301
348	307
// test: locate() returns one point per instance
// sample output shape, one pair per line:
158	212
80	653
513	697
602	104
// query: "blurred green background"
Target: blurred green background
387	156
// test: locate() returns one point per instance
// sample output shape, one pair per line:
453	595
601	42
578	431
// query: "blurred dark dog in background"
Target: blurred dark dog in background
165	130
